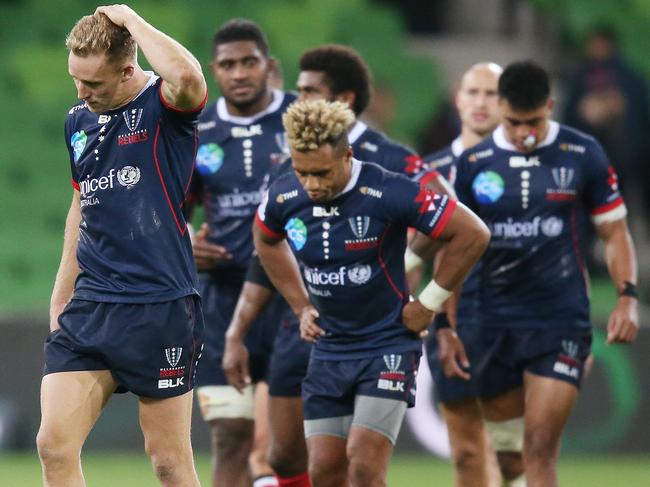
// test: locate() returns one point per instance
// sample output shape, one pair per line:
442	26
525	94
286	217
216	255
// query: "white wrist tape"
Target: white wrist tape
411	260
433	296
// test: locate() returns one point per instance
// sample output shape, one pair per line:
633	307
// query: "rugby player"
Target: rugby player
241	141
531	181
125	314
346	222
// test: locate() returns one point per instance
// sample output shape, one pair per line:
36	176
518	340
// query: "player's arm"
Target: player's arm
68	267
466	238
282	269
620	256
252	300
184	86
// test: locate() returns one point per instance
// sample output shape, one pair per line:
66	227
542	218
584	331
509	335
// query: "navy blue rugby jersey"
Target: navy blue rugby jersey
532	274
373	146
132	167
445	162
351	254
235	160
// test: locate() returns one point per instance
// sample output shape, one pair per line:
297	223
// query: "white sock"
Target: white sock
265	481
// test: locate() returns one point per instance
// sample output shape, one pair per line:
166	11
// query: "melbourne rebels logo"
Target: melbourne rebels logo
392	379
128	176
132	118
173	355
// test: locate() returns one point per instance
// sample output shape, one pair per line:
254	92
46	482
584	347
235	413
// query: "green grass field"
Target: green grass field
112	469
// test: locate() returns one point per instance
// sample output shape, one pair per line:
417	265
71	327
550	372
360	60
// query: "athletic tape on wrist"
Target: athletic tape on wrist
411	260
433	296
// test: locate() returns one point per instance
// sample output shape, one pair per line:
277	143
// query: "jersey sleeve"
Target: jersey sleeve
463	183
69	143
418	207
269	218
601	194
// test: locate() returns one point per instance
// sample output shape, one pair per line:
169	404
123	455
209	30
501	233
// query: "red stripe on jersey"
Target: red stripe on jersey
182	110
428	177
75	184
267	230
383	264
181	229
444	218
609	206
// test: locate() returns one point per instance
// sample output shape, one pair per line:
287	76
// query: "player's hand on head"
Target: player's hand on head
309	329
623	324
207	254
235	364
416	317
118	14
451	354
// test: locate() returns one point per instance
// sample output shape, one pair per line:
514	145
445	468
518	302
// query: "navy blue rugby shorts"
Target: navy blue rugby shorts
151	349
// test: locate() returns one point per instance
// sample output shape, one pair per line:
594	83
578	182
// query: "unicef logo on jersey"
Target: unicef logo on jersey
552	227
78	143
296	233
359	274
488	187
128	176
209	159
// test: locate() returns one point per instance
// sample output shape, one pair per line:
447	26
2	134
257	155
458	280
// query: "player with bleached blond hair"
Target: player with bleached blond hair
346	223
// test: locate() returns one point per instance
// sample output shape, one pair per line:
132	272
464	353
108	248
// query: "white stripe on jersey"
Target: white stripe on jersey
610	216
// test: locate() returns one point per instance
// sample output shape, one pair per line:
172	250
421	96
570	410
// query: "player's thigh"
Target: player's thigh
166	423
369	451
327	456
505	406
71	402
464	421
548	405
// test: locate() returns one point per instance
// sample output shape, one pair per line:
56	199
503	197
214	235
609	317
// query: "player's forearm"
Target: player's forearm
252	301
619	253
282	269
68	267
173	62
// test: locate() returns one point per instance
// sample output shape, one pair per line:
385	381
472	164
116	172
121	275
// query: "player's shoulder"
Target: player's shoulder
484	150
375	141
285	188
381	179
576	142
440	158
288	98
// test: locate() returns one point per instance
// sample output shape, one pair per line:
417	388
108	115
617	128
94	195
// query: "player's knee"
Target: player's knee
287	462
540	445
54	451
362	470
232	440
467	457
511	464
327	468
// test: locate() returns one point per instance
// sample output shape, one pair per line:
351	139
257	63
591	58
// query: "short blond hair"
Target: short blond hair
96	34
314	123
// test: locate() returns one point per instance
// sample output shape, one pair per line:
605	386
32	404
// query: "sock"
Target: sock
265	481
301	480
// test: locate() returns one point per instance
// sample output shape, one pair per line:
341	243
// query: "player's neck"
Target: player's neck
254	108
469	137
132	87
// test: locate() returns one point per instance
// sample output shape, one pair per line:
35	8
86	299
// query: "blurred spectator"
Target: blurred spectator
381	110
441	128
609	100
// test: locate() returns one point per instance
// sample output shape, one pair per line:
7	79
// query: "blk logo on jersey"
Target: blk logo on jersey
78	144
209	159
488	187
296	233
319	211
392	379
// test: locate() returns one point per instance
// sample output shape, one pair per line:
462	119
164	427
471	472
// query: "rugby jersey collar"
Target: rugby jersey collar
501	142
223	114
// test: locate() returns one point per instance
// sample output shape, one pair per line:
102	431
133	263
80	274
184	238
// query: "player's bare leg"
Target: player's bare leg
368	454
71	402
474	460
501	410
232	441
548	405
166	426
257	460
288	450
328	463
